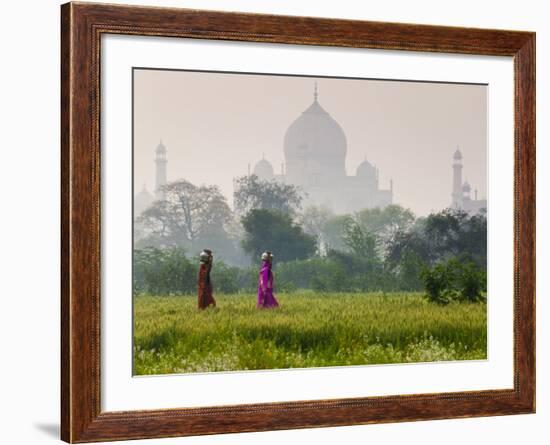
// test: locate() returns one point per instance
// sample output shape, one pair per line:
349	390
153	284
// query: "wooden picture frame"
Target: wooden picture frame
82	25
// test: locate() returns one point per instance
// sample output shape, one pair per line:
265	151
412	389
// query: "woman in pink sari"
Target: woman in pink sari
266	299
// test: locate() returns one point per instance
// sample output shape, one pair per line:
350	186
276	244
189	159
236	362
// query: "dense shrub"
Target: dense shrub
169	271
338	272
437	282
454	280
163	271
225	278
305	274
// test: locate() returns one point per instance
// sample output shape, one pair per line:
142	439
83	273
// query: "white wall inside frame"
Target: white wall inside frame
121	391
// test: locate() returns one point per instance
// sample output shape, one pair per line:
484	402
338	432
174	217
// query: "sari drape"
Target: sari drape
205	287
266	298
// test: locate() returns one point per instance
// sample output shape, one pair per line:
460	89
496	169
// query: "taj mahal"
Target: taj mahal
315	149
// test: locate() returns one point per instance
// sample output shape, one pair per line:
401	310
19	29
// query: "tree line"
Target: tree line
373	249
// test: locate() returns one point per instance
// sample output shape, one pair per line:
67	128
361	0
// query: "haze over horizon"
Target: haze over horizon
215	124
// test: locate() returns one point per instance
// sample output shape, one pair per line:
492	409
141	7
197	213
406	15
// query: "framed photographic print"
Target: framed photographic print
274	222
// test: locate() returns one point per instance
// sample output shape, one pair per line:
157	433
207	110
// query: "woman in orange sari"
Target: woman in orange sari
204	283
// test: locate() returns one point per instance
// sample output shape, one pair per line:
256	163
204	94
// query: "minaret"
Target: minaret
457	180
315	92
160	162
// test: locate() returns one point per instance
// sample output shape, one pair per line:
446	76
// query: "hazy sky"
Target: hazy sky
214	124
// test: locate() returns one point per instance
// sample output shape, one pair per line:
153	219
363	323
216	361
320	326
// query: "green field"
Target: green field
308	330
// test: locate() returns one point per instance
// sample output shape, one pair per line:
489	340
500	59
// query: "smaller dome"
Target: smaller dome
263	169
142	200
366	170
144	190
466	187
458	155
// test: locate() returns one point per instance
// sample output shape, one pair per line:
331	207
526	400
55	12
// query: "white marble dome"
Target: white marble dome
315	134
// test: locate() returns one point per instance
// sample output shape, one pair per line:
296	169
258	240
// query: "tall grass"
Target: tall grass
308	330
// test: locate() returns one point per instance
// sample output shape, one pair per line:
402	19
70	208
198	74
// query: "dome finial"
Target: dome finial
315	92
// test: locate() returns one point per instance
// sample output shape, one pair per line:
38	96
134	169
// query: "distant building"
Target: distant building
145	198
142	200
461	198
315	149
160	163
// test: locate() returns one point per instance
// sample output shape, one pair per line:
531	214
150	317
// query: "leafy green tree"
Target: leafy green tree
153	226
267	229
473	239
251	192
360	241
441	236
195	209
412	243
472	282
442	230
385	222
408	274
190	216
315	220
333	232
